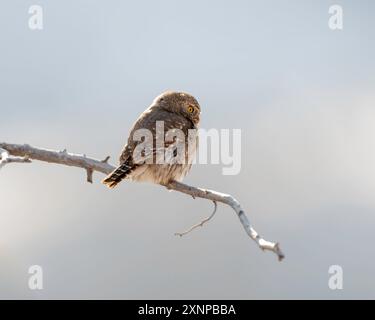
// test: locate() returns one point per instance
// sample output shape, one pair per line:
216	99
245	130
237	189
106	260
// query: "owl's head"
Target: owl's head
181	103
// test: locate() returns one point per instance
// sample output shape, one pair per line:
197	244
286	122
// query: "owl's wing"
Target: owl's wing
166	132
142	122
176	139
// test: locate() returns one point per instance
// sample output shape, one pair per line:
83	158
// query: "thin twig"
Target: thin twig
200	224
89	175
106	159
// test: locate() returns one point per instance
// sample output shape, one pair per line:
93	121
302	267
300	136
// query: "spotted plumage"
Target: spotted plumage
173	119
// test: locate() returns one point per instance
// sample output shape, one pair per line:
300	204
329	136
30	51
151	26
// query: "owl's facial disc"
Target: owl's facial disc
180	102
194	112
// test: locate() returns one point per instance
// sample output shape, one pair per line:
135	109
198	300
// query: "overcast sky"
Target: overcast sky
301	93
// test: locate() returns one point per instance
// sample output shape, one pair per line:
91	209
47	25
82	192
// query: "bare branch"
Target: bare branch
58	157
23	153
235	205
5	158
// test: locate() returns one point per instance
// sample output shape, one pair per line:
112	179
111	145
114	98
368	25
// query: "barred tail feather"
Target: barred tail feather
116	176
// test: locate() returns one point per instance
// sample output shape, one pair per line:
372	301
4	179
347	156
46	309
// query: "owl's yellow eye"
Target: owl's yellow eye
190	109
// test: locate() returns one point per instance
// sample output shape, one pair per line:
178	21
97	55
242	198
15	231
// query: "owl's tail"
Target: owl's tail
115	177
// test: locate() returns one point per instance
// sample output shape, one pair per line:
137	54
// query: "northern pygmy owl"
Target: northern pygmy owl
162	142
